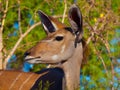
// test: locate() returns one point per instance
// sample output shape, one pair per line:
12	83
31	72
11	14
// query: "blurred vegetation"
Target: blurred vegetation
101	19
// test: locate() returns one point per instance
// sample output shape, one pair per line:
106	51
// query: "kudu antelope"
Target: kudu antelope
62	47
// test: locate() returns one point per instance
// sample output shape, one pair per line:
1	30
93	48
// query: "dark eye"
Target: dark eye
59	38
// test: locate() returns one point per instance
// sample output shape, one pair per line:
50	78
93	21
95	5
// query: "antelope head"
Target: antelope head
61	41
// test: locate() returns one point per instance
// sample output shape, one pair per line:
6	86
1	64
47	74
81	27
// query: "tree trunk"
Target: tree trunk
1	46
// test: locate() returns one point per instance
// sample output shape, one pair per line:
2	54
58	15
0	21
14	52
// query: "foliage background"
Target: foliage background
101	30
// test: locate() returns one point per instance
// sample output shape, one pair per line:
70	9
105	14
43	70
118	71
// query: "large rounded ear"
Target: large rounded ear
48	25
75	19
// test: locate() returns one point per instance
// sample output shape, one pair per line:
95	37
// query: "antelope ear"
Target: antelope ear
48	25
75	18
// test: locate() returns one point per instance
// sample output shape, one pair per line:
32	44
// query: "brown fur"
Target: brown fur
15	80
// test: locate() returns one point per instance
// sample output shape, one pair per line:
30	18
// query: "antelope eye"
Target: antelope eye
59	38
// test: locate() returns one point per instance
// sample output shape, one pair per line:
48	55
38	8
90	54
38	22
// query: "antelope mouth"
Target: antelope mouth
37	60
29	59
32	60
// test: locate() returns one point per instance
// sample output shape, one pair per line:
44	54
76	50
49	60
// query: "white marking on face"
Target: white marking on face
28	57
55	57
60	35
63	49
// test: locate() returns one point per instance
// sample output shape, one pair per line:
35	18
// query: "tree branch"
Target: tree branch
65	9
1	38
19	18
18	42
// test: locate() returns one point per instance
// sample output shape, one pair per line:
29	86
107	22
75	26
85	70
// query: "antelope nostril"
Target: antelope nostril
26	54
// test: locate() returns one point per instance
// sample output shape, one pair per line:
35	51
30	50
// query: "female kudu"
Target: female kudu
63	48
